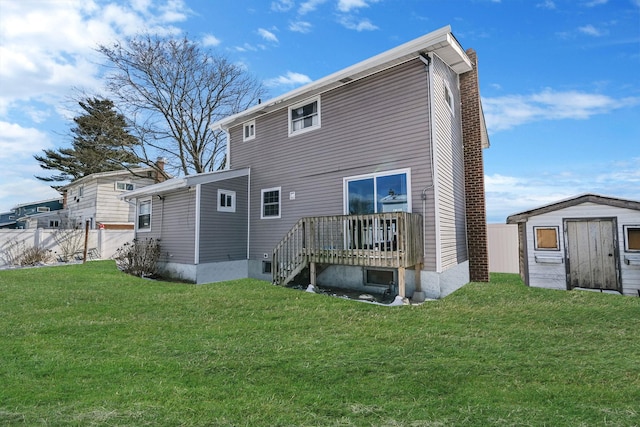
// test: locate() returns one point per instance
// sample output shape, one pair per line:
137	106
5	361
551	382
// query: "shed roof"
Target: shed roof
441	42
583	198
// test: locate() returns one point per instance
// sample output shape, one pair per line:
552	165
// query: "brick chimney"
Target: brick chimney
472	133
161	174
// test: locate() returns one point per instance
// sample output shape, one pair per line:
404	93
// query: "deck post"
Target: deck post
312	273
401	283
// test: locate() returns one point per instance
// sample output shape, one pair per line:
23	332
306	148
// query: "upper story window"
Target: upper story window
249	130
546	239
448	98
124	186
43	209
80	191
226	201
304	117
270	203
144	215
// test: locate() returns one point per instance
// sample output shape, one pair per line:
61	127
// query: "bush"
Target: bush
17	253
139	257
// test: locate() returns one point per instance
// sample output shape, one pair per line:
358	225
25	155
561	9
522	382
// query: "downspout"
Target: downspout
196	255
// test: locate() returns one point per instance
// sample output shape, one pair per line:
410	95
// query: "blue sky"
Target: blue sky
559	79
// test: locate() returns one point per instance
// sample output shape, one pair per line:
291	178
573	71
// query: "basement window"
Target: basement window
632	238
546	239
266	267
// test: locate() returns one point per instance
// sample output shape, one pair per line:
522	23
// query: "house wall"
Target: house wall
503	248
449	167
550	269
108	207
173	222
376	124
223	235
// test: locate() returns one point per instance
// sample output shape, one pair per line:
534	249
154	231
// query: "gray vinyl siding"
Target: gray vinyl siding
173	221
376	124
223	235
449	167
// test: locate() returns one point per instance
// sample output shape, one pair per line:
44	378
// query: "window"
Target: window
304	117
266	267
376	193
144	215
124	186
249	131
270	203
54	223
632	238
448	97
43	209
80	191
226	201
546	238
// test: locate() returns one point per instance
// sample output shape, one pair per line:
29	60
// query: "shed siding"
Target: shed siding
223	235
173	221
449	166
376	124
553	275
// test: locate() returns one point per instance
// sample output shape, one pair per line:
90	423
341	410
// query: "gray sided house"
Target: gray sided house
370	178
589	241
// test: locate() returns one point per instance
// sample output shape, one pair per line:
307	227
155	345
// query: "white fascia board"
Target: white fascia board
150	190
440	41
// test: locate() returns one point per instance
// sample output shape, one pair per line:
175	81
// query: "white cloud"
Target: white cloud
210	40
17	142
547	4
348	5
506	112
360	25
309	6
593	3
289	79
300	27
282	5
590	30
267	35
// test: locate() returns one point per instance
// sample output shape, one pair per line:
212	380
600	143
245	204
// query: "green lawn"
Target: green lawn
89	345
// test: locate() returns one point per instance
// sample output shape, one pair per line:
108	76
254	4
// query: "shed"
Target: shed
588	242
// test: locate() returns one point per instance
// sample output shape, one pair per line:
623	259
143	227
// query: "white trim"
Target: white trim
196	254
304	103
124	184
232	194
264	190
252	127
434	169
248	213
451	105
374	175
141	201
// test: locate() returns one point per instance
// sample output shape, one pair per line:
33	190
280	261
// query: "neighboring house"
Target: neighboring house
370	178
588	241
26	214
94	199
7	220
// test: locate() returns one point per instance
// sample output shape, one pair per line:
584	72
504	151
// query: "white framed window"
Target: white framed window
304	116
226	200
144	215
80	191
388	191
546	239
54	223
631	238
124	186
249	130
448	98
43	209
270	203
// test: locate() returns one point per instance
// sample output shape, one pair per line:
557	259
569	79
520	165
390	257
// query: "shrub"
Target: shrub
139	257
17	253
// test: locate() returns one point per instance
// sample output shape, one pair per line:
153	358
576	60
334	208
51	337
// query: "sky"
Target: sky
559	79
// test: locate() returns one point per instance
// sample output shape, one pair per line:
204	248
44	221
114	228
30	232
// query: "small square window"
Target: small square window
632	238
546	238
266	267
226	201
304	116
270	203
249	131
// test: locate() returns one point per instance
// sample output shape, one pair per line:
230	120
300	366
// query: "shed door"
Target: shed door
592	258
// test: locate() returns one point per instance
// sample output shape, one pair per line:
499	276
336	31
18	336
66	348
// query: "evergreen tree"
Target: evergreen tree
101	143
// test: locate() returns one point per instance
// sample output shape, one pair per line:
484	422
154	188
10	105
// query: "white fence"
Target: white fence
503	248
101	244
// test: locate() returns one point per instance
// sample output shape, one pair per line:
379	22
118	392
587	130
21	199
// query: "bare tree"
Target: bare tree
173	90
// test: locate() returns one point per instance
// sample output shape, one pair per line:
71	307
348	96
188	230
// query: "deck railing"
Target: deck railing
391	240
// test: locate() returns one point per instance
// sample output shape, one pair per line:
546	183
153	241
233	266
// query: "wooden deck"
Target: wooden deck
390	240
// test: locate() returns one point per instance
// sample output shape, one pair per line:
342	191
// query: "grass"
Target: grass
89	345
